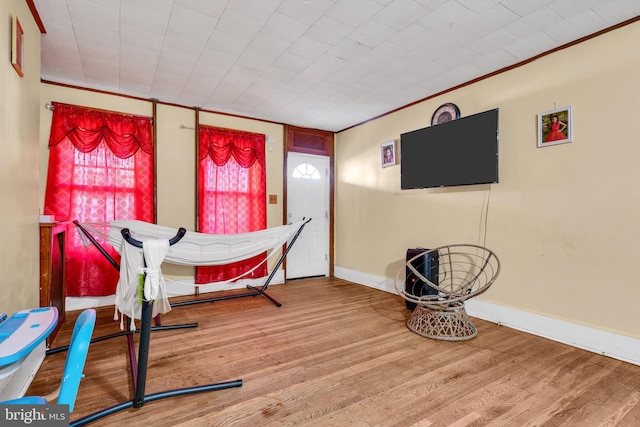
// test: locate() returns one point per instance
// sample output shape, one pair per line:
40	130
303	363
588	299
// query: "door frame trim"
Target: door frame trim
295	139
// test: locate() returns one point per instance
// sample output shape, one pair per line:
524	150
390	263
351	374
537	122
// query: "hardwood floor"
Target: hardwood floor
339	354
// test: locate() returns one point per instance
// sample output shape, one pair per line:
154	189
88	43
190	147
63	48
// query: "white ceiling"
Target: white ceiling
325	64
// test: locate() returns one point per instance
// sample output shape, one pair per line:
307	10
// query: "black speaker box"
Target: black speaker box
427	266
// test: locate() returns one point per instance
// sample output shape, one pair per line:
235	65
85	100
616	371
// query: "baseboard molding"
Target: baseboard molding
591	339
175	288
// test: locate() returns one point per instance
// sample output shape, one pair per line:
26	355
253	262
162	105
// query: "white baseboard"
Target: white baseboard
595	340
174	288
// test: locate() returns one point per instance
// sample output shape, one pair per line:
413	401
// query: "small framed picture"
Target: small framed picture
555	127
388	154
16	45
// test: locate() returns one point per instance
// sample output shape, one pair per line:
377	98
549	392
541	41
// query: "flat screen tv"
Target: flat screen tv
459	152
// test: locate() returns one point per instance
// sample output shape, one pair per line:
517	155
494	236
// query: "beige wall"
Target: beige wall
19	117
176	154
564	219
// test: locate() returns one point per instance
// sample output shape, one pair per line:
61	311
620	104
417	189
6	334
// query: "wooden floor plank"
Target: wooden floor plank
338	354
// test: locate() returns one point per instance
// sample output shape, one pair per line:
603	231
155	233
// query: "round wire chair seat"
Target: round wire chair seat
444	278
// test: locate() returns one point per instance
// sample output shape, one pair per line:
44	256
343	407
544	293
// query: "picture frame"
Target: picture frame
388	155
17	36
555	127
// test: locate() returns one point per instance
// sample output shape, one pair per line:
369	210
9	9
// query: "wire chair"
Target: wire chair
445	278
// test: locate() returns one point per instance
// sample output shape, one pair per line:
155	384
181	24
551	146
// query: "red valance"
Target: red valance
221	144
124	134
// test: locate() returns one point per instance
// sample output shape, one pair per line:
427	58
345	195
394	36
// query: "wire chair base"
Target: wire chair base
451	324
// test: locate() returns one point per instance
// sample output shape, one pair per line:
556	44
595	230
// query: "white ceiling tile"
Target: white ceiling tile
239	25
93	15
168	84
479	6
134	36
101	70
386	52
60	34
443	18
495	61
259	9
363	66
319	63
489	21
616	11
308	47
213	8
532	23
371	33
574	27
227	42
70	67
252	60
276	76
348	50
176	61
290	61
525	7
400	13
92	49
412	37
152	18
457	58
243	73
134	89
430	70
217	58
269	44
139	74
284	27
344	77
354	12
306	12
492	42
433	4
531	46
569	8
326	65
328	30
193	23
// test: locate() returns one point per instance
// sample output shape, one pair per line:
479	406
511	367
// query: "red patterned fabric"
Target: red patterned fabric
100	169
232	194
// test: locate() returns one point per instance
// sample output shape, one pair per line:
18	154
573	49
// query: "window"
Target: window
306	171
100	169
231	194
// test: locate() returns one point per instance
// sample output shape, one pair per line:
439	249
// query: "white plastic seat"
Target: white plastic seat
74	364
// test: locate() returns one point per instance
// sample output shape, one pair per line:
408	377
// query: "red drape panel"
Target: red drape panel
100	169
232	194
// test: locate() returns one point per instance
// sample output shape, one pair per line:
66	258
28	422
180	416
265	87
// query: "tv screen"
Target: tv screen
459	152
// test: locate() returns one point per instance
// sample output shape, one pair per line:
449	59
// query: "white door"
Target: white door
308	197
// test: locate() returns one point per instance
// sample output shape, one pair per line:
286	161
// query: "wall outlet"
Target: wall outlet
273	199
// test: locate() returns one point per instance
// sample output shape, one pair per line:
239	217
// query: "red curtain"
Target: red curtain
232	194
100	169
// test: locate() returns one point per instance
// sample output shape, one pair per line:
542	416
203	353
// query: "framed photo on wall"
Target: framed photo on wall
555	127
17	35
388	154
